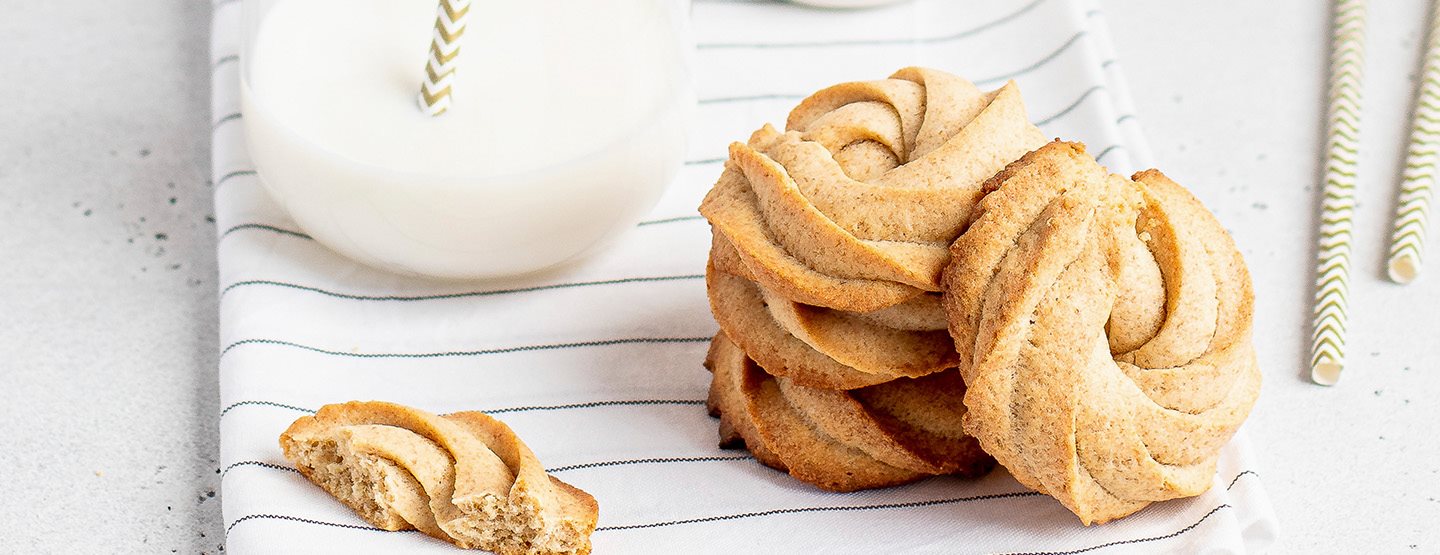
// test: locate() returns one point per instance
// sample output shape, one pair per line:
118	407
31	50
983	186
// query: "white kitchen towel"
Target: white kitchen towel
597	366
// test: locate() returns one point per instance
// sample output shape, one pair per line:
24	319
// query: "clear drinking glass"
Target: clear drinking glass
568	120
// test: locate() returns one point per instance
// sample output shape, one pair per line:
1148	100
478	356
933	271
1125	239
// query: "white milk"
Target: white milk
568	119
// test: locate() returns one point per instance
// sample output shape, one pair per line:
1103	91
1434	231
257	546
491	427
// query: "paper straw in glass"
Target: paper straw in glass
444	48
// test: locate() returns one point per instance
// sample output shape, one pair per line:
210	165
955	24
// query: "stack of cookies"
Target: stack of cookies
910	279
833	362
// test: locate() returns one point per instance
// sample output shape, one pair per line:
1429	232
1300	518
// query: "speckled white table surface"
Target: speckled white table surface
108	397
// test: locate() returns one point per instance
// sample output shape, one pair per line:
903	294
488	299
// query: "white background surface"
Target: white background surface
107	289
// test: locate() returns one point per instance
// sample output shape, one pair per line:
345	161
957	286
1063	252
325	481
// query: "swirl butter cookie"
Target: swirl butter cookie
822	347
853	206
883	435
1104	332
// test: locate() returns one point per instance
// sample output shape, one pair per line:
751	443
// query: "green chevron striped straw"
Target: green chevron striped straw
1337	208
1412	212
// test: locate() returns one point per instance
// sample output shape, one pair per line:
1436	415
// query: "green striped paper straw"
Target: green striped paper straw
1337	208
1412	212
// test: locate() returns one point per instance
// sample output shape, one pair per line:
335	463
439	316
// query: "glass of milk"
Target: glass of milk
568	119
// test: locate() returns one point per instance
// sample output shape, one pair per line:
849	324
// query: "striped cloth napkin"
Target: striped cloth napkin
598	366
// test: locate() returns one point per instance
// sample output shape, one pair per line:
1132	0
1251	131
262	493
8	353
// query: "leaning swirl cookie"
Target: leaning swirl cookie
879	436
465	478
853	206
1104	331
822	347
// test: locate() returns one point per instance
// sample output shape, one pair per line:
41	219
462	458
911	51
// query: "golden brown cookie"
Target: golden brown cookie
878	436
827	348
464	478
854	205
1104	330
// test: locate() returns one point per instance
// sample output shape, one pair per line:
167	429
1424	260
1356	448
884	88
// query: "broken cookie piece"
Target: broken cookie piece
465	478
